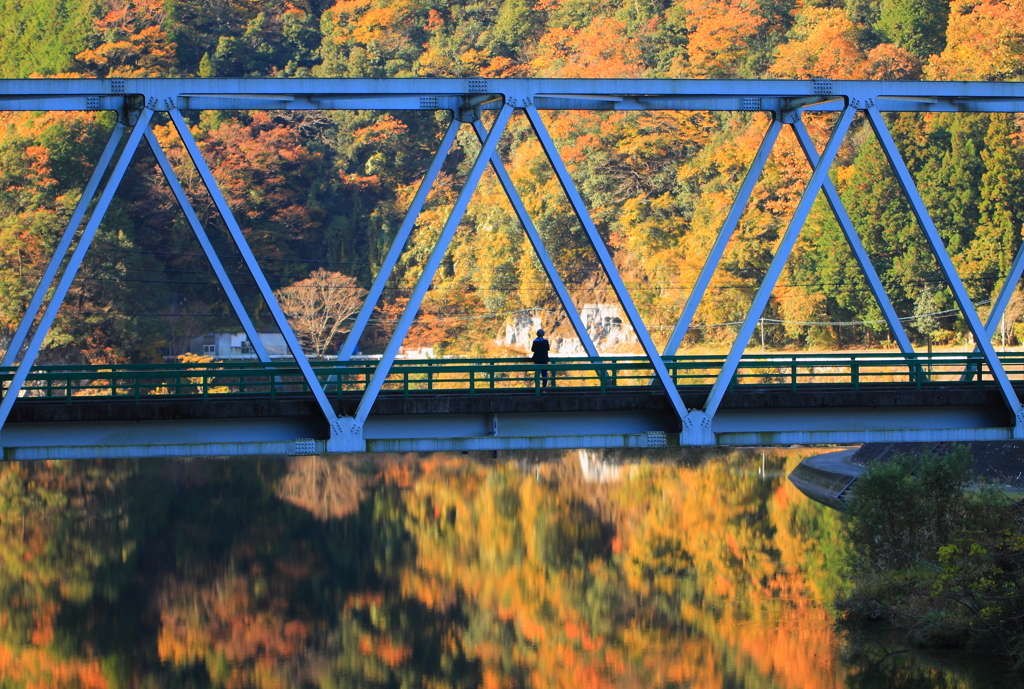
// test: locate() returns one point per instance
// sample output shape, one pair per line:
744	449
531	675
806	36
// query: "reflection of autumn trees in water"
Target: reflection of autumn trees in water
406	572
325	488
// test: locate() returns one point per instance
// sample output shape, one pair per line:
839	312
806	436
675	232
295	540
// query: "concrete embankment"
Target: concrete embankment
831	478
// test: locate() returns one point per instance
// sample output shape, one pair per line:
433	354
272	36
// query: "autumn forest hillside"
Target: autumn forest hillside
328	190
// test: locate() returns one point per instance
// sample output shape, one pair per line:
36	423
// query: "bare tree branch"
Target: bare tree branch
318	306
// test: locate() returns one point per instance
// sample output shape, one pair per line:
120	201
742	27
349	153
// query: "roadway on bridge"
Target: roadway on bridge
445	404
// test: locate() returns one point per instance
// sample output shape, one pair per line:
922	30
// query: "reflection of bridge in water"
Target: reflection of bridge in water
500	404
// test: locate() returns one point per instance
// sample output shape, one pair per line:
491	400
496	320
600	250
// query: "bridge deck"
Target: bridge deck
486	404
504	401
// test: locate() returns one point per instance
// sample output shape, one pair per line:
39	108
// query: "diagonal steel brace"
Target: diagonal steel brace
538	246
852	238
62	247
782	253
380	374
604	257
724	236
74	263
254	269
204	241
399	242
956	285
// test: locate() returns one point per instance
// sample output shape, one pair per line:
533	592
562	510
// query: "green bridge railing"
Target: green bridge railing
480	376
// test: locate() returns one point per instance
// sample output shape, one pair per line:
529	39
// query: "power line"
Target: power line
284	260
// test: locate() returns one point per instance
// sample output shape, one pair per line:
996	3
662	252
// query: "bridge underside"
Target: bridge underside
555	420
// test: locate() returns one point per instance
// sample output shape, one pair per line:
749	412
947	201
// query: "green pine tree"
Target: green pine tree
1001	217
919	26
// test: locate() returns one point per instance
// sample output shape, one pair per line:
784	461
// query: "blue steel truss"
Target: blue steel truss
136	101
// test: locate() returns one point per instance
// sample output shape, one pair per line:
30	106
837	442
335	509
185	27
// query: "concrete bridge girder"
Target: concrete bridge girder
138	99
475	430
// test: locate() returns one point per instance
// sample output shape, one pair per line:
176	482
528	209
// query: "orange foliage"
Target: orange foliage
672	520
260	168
720	34
602	49
41	668
985	42
135	43
228	618
824	45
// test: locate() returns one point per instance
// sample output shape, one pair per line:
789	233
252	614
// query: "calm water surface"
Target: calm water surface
574	569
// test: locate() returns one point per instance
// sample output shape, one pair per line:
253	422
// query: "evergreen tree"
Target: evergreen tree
887	227
919	26
1001	216
948	182
925	309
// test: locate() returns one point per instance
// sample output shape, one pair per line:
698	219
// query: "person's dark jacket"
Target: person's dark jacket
540	351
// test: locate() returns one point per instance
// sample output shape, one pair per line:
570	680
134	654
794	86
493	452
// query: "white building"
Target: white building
237	345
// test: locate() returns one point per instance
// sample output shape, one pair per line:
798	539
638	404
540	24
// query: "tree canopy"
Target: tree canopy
327	191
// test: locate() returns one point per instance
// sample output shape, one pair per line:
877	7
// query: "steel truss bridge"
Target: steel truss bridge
700	402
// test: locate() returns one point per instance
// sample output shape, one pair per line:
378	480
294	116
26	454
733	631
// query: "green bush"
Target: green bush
936	556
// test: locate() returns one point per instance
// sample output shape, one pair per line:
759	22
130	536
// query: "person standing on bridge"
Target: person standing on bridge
540	351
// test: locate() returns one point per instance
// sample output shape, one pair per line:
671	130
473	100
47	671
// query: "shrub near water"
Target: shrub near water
941	561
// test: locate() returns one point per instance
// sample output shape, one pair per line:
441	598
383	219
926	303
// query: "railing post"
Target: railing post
792	374
405	384
138	381
855	375
206	385
472	382
536	381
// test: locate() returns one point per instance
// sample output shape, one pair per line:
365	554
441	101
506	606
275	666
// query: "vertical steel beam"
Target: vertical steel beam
401	238
204	241
1005	294
538	246
74	263
724	236
250	261
1002	301
850	232
431	266
580	208
931	233
764	292
62	246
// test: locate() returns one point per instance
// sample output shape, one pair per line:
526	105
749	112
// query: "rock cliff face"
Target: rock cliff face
605	323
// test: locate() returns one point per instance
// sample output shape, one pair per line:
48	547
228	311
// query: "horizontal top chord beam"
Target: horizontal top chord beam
544	94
